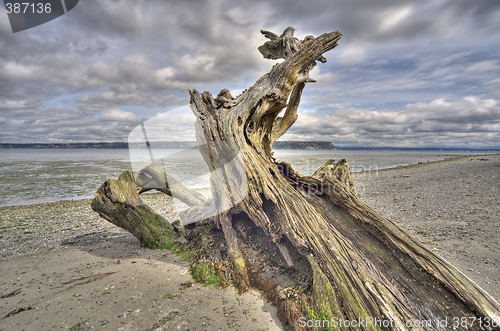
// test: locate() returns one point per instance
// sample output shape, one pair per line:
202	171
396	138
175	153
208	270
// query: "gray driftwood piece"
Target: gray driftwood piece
309	243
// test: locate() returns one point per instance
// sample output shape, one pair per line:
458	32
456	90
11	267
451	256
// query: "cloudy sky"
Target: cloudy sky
406	73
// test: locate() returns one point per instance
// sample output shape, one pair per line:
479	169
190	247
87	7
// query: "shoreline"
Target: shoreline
353	173
49	251
449	158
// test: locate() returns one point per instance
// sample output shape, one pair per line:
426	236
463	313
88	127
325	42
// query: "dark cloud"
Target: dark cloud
66	124
385	20
98	71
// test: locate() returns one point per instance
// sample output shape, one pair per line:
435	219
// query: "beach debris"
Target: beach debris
17	311
86	279
11	294
187	284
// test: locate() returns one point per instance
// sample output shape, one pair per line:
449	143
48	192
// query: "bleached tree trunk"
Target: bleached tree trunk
307	242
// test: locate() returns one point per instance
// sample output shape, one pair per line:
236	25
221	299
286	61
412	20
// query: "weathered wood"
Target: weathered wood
152	178
361	265
118	202
309	243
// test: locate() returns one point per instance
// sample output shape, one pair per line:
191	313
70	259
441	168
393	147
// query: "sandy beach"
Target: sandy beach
62	267
451	206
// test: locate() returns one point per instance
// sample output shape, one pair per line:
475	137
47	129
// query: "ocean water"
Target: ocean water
29	176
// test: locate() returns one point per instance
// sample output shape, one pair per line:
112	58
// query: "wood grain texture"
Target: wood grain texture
309	243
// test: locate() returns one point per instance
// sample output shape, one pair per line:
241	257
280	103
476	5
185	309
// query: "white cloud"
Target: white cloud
174	125
395	17
9	105
323	78
483	66
163	78
117	115
103	71
465	122
16	71
352	56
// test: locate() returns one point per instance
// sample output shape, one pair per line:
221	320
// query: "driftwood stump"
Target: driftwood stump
308	243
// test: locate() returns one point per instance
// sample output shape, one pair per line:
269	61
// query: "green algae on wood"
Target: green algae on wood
309	244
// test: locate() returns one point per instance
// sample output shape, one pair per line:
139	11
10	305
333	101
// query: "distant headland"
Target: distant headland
311	145
303	145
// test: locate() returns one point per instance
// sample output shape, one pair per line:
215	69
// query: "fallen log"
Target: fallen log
308	243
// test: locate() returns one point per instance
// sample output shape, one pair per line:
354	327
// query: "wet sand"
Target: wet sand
62	267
